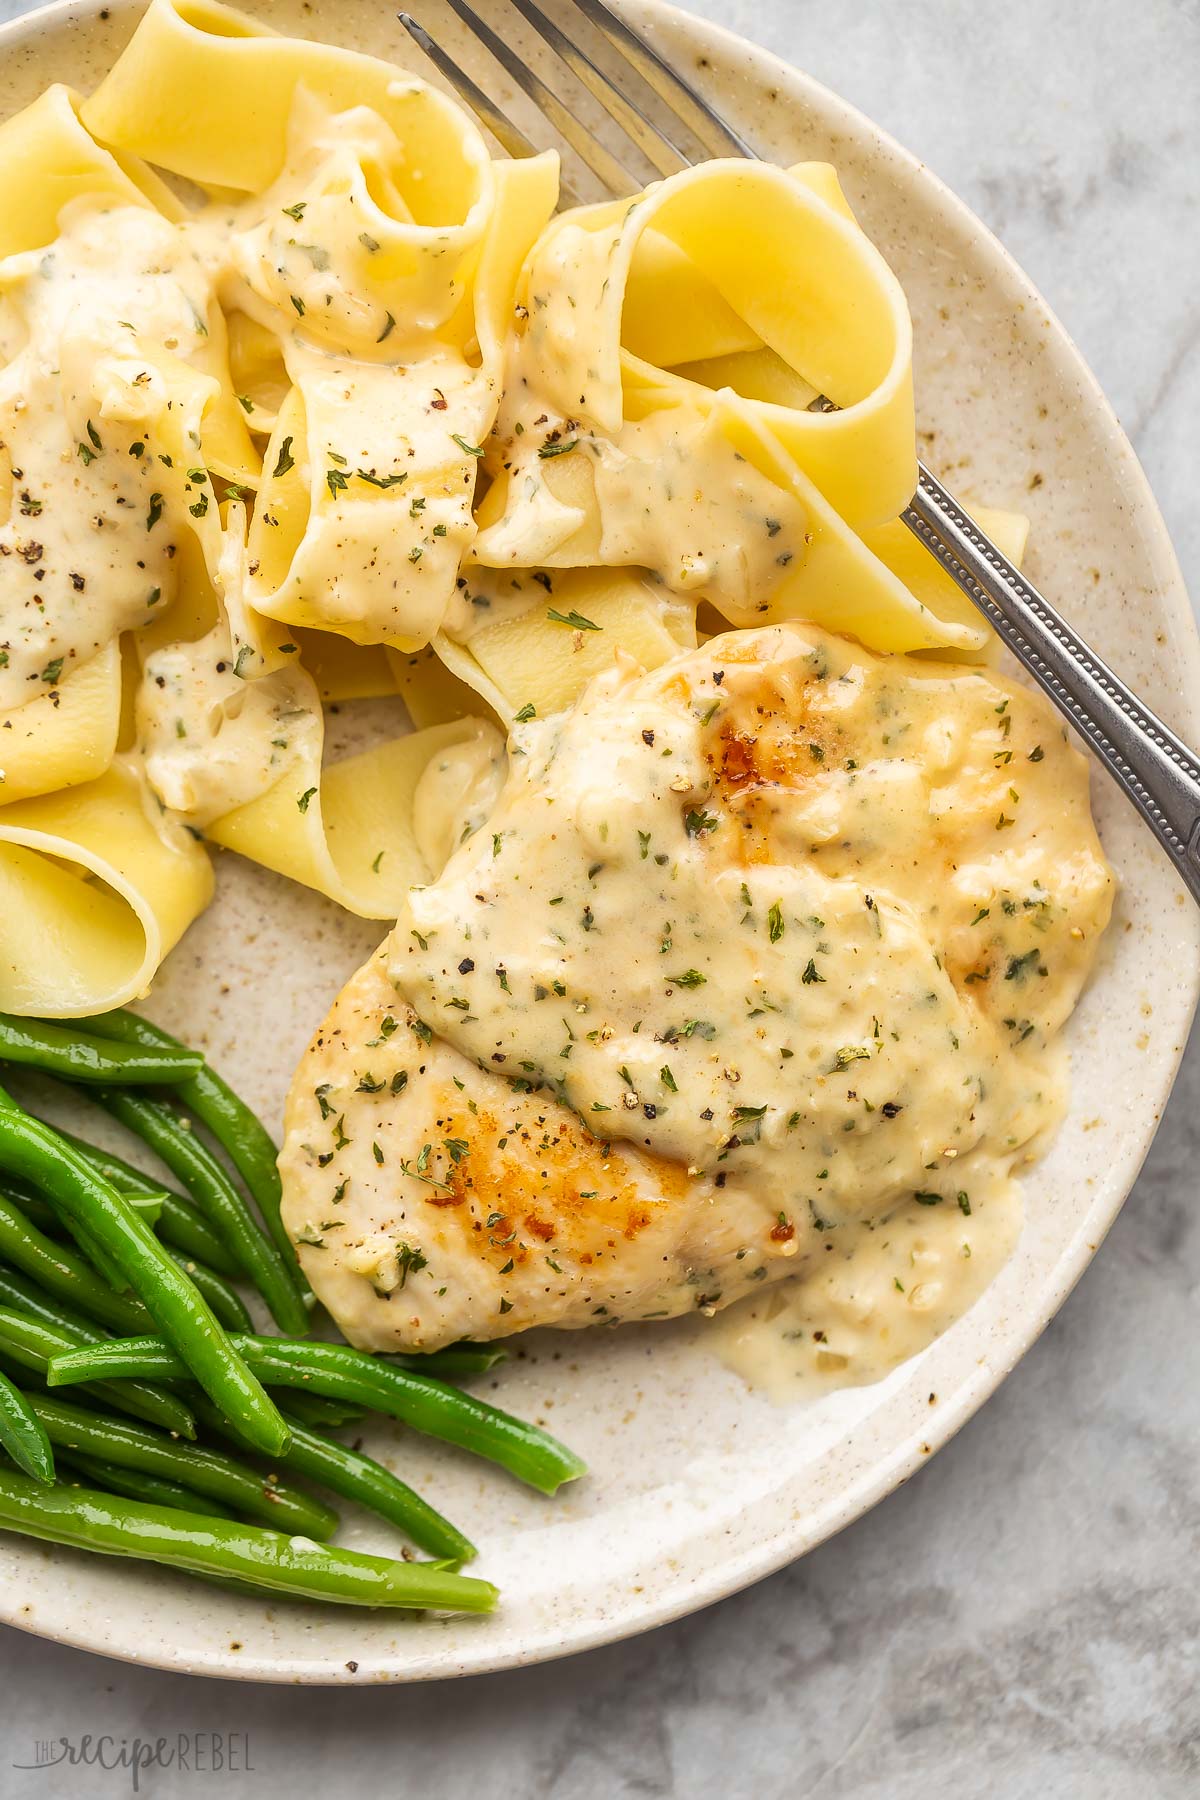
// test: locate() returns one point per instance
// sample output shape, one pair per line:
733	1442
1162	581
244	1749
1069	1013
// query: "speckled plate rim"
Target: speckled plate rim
775	1550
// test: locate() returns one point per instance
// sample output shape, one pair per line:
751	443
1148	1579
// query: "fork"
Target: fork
664	125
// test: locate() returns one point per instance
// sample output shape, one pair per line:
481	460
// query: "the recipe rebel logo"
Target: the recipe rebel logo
220	1753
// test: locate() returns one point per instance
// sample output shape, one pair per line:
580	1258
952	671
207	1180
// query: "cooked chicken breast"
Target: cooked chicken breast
755	947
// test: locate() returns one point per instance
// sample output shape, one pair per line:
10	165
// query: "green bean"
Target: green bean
64	1272
357	1477
70	1330
185	1228
419	1401
89	1520
23	1435
193	1465
78	1055
239	1131
30	1149
463	1358
320	1414
135	1484
103	1265
33	1344
455	1359
225	1301
24	1297
179	1222
120	1174
36	1210
193	1163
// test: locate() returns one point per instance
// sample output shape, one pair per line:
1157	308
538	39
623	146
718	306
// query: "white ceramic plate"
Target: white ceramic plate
699	1486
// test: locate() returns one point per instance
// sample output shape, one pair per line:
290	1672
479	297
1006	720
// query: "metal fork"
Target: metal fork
664	125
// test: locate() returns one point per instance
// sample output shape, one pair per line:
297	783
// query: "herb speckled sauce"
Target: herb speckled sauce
780	935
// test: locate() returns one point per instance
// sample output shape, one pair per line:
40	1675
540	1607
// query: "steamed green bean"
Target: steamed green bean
419	1401
90	1520
33	1344
192	1465
79	1055
238	1130
32	1150
193	1163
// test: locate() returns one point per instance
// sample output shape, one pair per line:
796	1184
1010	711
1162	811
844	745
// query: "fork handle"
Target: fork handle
1156	770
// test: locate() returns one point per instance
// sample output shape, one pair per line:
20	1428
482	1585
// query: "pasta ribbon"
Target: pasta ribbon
365	511
614	449
97	884
928	582
59	162
431	692
207	92
105	426
559	632
351	832
67	735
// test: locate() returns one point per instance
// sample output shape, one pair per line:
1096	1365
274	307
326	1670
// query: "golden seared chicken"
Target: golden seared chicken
766	943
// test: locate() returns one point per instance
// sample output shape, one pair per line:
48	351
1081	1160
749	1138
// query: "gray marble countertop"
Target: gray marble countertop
1024	1617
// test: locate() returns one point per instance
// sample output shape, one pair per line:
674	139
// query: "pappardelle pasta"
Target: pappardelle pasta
306	399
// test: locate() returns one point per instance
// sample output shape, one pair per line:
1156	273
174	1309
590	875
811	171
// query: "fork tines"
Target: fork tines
661	123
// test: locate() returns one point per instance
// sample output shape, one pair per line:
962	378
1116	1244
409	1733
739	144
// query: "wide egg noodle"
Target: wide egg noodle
231	731
59	162
525	649
67	734
929	583
97	884
343	670
365	511
784	252
206	91
432	693
108	429
347	831
609	457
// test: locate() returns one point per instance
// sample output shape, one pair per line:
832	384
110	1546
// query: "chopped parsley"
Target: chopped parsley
575	619
411	1261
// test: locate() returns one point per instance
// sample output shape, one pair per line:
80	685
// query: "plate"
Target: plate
700	1486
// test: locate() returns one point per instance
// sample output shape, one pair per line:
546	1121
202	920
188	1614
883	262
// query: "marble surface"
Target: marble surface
1023	1617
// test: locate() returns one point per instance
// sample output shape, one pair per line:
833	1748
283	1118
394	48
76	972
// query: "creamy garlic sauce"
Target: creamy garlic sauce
362	428
212	741
100	404
581	477
876	1293
457	793
781	915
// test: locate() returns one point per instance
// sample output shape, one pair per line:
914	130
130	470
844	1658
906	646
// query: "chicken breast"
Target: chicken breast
755	947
